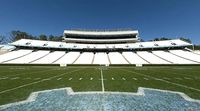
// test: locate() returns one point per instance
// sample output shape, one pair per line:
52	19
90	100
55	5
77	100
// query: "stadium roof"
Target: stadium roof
62	45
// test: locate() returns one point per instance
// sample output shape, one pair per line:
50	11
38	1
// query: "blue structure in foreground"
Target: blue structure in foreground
66	100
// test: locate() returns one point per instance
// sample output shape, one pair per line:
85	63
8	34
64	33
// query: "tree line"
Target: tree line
164	38
17	35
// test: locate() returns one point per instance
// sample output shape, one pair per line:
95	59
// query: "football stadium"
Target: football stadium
99	70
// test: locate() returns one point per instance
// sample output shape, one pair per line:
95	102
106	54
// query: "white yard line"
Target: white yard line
102	83
11	89
59	78
134	78
177	84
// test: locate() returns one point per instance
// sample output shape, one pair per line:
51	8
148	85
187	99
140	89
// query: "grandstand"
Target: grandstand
100	47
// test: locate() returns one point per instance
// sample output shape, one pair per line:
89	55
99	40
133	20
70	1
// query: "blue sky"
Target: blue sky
153	18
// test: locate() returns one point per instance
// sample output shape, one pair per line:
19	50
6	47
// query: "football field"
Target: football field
18	82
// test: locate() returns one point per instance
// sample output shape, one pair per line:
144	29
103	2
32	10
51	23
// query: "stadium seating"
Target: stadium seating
133	58
117	58
30	57
50	58
85	58
13	55
68	58
172	58
187	55
151	58
50	52
197	52
101	58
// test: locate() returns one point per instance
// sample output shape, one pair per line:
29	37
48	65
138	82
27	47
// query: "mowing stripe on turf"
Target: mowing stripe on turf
4	91
187	78
177	84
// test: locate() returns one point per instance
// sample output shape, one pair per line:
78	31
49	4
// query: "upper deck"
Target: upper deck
101	36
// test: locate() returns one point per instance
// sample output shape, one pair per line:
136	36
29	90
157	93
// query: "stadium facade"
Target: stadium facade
100	47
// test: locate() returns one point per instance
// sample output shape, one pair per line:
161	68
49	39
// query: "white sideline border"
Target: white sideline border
140	92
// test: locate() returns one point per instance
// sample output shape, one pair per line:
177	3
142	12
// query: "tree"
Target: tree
156	39
17	35
51	37
42	37
2	39
164	38
160	39
58	38
55	38
185	39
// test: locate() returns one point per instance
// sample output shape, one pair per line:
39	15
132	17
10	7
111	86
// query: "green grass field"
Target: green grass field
17	82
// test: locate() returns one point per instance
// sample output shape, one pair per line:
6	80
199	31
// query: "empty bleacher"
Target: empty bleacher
197	52
148	56
13	55
172	58
50	58
68	58
117	58
30	57
101	58
133	58
187	55
85	58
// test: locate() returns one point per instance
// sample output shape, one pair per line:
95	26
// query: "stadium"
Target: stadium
99	70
